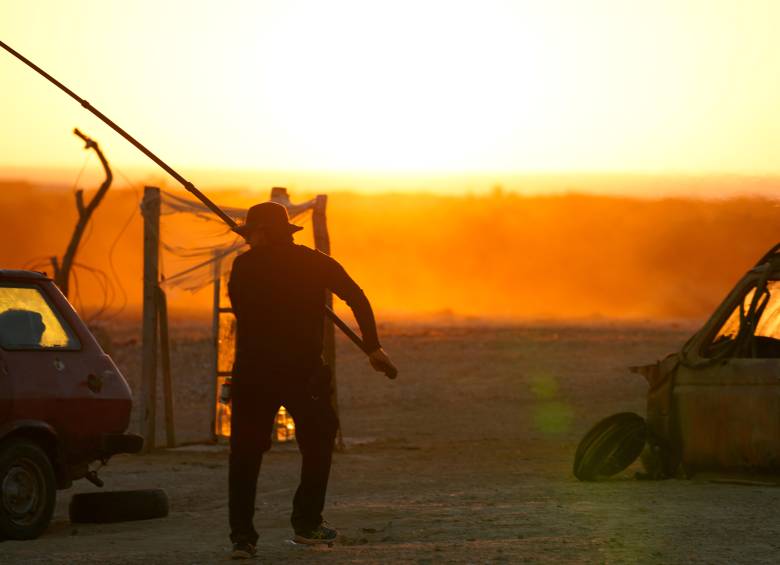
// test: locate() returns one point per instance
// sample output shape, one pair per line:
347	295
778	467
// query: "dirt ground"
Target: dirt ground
466	458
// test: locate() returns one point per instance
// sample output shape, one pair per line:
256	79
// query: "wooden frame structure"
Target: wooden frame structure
155	340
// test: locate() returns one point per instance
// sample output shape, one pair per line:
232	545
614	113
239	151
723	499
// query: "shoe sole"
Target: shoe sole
299	540
240	554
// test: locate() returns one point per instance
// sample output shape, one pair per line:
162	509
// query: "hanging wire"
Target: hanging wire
76	292
36	263
87	234
112	266
42	262
90	226
114	244
106	287
81	172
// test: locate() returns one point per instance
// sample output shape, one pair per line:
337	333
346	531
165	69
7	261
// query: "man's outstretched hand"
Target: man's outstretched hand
381	362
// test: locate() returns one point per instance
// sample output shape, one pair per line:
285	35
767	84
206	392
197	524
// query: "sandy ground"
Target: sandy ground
465	458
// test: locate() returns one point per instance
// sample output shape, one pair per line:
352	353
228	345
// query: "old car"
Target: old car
715	404
63	403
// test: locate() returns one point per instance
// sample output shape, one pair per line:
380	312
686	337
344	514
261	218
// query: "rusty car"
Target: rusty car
714	405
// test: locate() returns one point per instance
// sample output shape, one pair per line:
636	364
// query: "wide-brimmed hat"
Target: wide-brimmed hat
269	216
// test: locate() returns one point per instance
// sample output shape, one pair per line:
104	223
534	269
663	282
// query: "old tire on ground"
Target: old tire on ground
118	506
610	446
28	490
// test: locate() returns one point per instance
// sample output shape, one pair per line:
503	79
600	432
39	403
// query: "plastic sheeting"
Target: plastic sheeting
193	238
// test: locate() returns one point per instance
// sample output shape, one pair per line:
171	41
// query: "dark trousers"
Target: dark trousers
255	402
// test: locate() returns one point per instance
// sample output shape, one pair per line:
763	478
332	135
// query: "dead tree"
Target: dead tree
62	270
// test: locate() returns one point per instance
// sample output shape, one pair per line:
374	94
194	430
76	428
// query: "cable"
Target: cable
111	250
81	172
76	292
106	287
36	262
40	261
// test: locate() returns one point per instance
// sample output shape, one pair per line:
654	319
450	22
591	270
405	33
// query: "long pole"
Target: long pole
150	209
184	182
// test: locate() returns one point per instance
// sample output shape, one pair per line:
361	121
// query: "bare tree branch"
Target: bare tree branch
56	266
62	273
80	202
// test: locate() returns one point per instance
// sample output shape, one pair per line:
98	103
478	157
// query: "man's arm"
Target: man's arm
347	289
343	286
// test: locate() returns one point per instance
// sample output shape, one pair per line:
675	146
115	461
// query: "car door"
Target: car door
40	353
95	398
727	403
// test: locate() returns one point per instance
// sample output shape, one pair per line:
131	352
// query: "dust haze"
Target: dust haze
419	255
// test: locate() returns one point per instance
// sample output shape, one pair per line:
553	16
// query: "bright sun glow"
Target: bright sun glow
400	86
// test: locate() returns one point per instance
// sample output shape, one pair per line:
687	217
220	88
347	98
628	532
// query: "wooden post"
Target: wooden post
322	243
165	359
216	313
150	208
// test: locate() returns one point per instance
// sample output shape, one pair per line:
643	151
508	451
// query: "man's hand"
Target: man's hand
381	362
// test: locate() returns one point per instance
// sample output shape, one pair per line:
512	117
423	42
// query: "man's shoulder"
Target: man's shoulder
295	252
309	253
314	259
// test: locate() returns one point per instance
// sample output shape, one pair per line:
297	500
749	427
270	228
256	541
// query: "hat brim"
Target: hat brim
244	229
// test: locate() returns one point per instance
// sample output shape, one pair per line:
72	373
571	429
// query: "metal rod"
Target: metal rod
184	182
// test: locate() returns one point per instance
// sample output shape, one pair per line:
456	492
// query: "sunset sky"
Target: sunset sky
399	88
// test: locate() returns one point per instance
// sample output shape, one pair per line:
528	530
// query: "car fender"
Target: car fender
47	437
9	428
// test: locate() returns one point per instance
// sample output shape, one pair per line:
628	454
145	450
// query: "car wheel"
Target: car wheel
29	490
610	446
118	506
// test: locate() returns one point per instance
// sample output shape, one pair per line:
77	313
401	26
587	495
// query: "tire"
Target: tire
610	446
118	506
28	490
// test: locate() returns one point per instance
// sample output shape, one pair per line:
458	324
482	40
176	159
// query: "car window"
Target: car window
27	321
766	342
769	323
729	330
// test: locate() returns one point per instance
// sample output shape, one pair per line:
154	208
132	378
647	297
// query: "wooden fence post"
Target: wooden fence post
322	243
215	325
150	208
165	359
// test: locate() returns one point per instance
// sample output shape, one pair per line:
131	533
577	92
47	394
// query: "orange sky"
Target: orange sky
367	89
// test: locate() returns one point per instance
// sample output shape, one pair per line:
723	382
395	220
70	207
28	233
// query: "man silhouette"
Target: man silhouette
278	290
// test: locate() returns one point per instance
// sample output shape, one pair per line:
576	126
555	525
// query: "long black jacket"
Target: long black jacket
278	296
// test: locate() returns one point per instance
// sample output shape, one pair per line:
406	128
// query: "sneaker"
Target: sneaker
243	550
320	534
